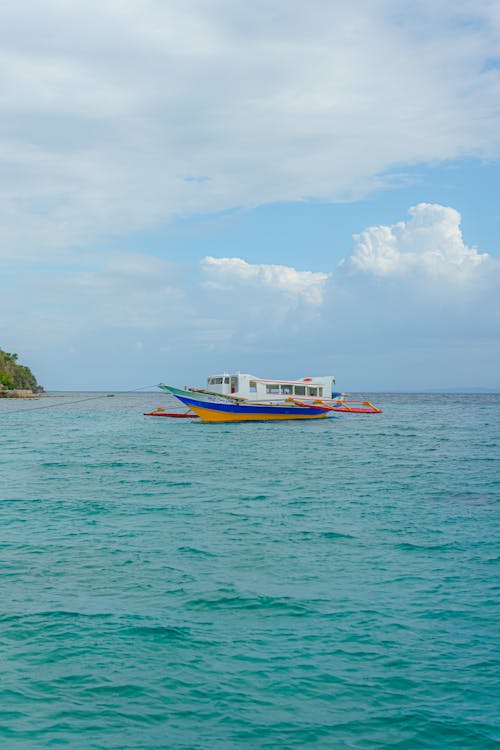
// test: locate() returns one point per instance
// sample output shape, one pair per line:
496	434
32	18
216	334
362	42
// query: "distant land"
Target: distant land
449	389
16	379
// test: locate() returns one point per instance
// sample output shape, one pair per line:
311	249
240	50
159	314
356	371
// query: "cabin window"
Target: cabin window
216	381
253	386
312	391
287	390
320	391
272	388
226	381
300	390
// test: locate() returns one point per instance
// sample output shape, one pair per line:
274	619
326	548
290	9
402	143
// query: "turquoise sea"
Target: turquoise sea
324	584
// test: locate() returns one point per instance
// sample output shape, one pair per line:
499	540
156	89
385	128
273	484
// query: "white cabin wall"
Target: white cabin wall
327	382
243	389
222	388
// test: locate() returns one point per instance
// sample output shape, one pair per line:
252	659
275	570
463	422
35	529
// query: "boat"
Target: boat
214	408
246	388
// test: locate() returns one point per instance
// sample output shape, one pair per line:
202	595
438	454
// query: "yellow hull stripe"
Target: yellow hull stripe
209	415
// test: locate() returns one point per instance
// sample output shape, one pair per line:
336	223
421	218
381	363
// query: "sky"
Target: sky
283	188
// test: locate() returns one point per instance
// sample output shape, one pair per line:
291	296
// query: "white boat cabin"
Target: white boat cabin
257	389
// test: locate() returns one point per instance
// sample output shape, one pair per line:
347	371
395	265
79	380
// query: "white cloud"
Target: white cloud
50	85
108	108
257	305
304	286
416	298
430	243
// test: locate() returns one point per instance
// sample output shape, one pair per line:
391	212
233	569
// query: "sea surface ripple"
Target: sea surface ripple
325	584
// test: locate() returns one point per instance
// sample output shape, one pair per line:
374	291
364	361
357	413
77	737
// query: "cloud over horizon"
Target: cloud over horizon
421	283
415	281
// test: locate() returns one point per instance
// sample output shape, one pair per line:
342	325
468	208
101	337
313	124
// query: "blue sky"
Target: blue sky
281	188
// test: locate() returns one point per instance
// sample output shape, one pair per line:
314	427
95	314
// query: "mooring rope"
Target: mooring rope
78	401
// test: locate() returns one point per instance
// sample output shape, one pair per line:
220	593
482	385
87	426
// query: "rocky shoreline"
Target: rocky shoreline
18	393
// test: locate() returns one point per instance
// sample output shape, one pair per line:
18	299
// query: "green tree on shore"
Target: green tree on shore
15	376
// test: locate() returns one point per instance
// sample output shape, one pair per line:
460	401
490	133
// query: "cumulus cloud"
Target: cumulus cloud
258	305
109	109
299	286
430	243
422	305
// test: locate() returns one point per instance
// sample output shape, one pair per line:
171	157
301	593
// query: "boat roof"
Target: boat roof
300	381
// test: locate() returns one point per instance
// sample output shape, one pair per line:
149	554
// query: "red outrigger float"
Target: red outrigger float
343	406
366	407
160	412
